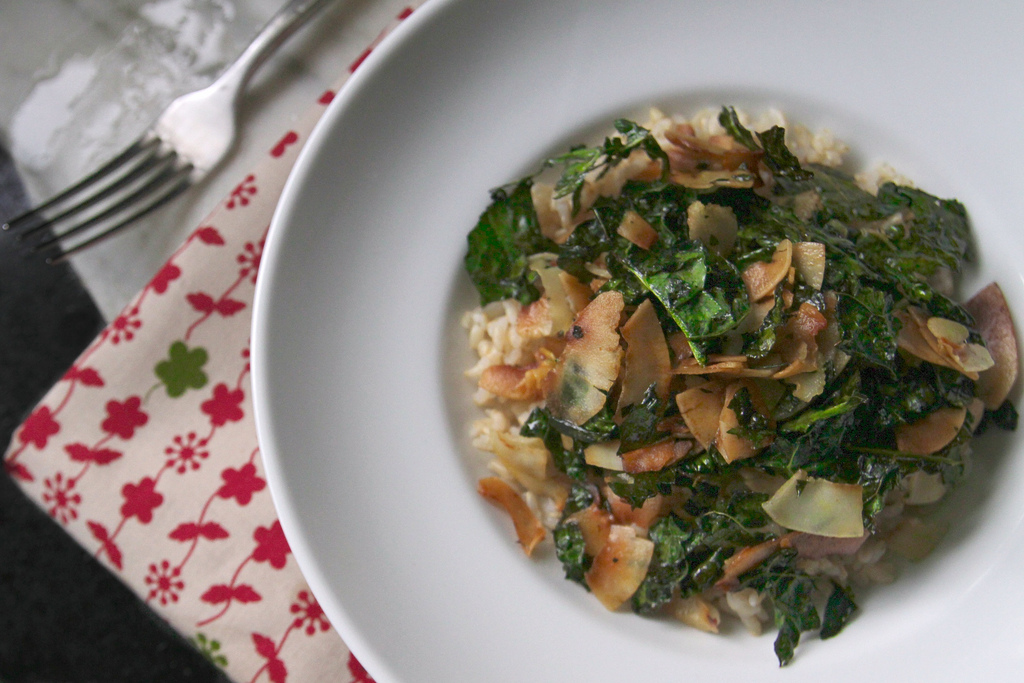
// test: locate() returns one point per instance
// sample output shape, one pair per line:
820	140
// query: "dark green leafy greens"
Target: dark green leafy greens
883	253
582	161
499	246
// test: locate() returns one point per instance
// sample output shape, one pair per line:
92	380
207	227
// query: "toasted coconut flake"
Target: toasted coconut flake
798	338
534	320
912	337
620	567
552	223
697	612
604	455
952	332
638	231
818	506
589	364
573	398
761	277
714	225
743	560
973	358
558	303
809	262
931	433
726	366
593	340
680	346
595	525
689	154
641	517
646	359
656	457
527	460
528	528
923	488
519	383
707	180
759	310
795	369
992	317
731	446
577	293
918	338
701	408
808	385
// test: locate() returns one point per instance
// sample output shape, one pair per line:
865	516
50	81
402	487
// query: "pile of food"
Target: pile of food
724	377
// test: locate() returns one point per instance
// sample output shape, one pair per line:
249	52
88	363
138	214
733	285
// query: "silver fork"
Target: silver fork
187	140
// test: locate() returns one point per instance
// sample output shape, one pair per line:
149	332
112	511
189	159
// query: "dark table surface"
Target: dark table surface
63	616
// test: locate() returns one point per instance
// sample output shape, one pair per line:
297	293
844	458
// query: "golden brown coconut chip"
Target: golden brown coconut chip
931	433
620	566
519	382
941	342
655	457
589	364
701	408
646	359
528	528
638	231
761	277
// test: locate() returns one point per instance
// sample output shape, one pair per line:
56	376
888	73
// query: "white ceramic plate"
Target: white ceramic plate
360	403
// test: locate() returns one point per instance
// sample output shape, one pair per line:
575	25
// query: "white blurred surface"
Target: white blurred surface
79	79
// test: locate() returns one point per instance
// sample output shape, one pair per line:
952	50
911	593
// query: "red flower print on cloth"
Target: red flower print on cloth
38	428
289	138
271	545
140	500
87	376
163	279
165	584
124	326
107	544
241	484
208	234
186	451
310	614
240	195
225	306
222	593
79	452
225	405
188	531
60	498
265	647
124	418
250	260
359	674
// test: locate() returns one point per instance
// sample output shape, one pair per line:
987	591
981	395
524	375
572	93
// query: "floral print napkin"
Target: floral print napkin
145	451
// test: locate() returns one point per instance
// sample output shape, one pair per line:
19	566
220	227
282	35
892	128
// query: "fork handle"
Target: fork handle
281	26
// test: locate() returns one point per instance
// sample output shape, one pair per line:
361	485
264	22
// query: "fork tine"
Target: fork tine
139	146
168	175
149	159
183	184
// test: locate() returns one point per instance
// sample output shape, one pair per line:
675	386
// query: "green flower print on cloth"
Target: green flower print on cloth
210	649
183	370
